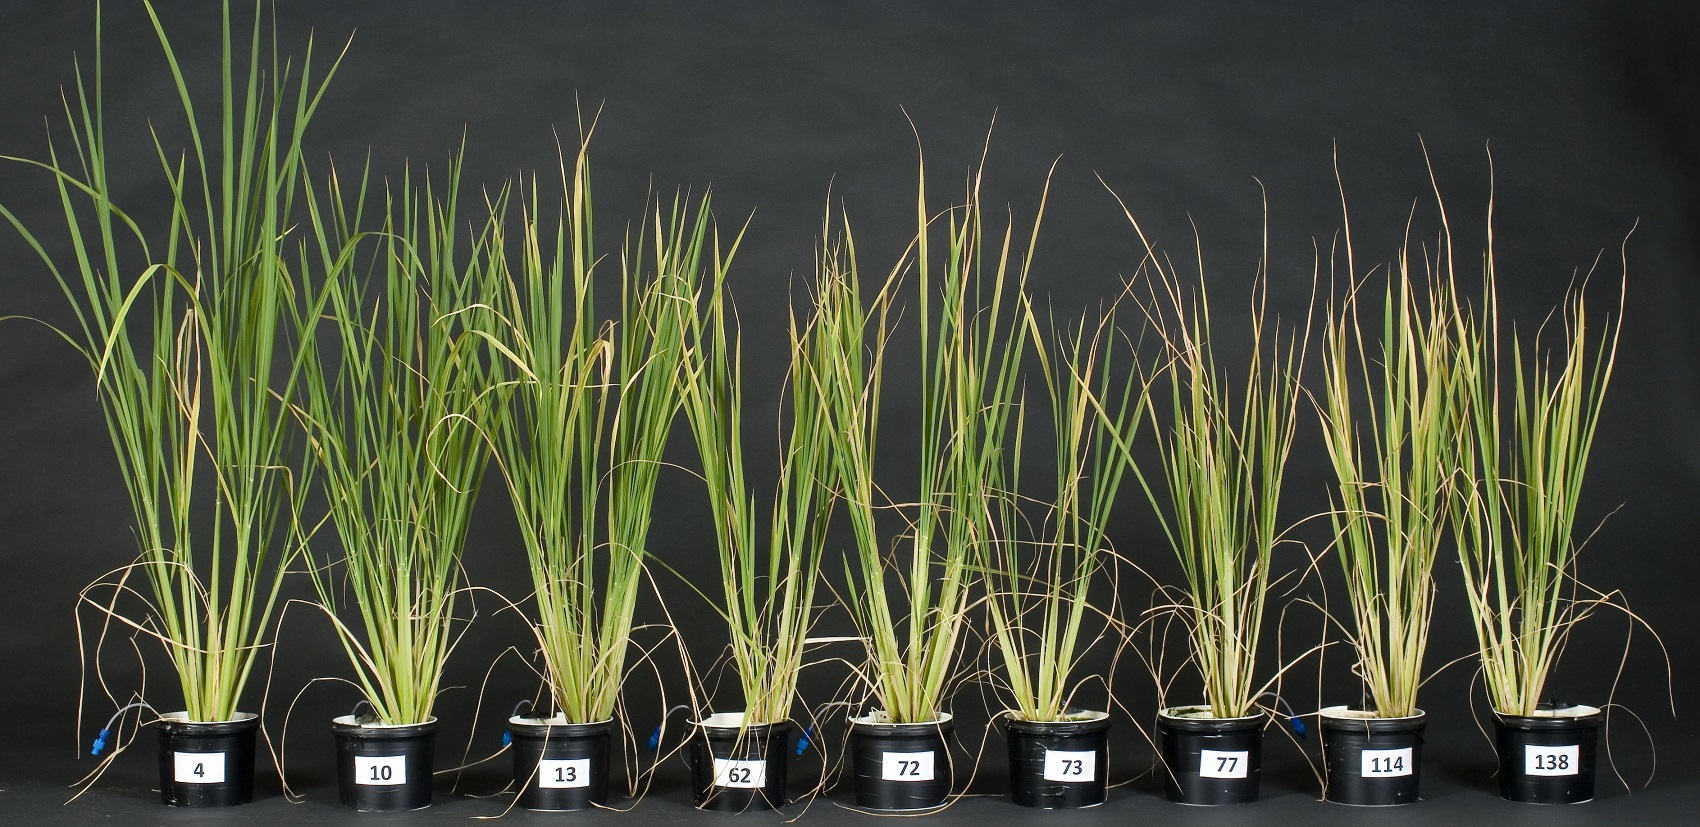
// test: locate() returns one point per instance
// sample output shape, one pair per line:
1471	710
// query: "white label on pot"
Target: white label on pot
1070	765
199	767
380	770
1540	760
1222	764
743	775
563	774
1387	763
907	766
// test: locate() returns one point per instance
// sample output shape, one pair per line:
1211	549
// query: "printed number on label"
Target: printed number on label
563	774
380	770
1551	760
745	775
907	766
1070	765
1387	763
198	767
1219	764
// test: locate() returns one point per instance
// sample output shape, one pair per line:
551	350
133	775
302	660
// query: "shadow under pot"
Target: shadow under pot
384	768
560	765
1210	760
1371	761
1059	765
900	766
737	767
1548	757
206	764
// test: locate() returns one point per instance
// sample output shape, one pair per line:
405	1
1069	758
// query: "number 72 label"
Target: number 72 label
907	766
1223	764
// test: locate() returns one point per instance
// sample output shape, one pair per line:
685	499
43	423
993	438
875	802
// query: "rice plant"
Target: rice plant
582	435
398	416
195	333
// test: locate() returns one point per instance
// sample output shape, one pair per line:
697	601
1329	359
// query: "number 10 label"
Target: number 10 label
907	766
743	775
563	774
1070	765
380	770
198	767
1538	760
1221	764
1386	763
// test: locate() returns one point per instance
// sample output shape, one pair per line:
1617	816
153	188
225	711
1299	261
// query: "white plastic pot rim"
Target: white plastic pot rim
350	720
1347	713
1200	712
879	717
183	718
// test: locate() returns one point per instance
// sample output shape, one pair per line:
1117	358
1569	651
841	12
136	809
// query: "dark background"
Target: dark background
1593	116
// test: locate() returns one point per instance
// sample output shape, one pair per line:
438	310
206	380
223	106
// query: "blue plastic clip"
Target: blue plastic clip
100	742
803	742
507	737
655	738
1298	725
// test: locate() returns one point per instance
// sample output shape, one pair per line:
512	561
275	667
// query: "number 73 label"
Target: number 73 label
1070	765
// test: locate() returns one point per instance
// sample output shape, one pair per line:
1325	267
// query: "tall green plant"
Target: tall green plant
767	595
1520	483
583	436
398	416
1394	459
971	342
1223	461
1039	588
195	338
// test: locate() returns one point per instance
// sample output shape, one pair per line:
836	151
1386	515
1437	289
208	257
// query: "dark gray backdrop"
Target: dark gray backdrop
1590	109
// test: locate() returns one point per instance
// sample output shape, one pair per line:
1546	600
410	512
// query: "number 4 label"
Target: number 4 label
1386	763
743	775
1541	760
1070	765
907	766
1221	764
563	774
380	770
198	767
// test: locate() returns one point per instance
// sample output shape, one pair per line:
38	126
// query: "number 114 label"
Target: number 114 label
1386	763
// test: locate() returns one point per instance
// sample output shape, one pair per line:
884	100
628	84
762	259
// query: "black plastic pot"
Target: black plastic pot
1371	762
207	764
1211	761
382	768
900	766
1059	765
736	768
558	765
1548	758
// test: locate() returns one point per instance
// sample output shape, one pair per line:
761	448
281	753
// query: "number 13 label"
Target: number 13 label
563	774
1386	763
198	767
907	766
1070	765
744	775
1221	764
1538	760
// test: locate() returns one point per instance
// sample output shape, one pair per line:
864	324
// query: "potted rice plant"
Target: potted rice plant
738	759
1390	413
1222	461
581	440
398	418
971	342
196	338
1038	589
1514	521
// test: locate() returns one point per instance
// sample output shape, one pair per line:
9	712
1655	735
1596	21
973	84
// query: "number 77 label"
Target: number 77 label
1223	764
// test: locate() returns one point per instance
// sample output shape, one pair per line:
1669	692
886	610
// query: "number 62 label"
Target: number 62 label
1070	765
744	775
1541	760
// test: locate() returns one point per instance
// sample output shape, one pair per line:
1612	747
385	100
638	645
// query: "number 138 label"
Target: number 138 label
1538	760
744	775
1386	763
1222	764
907	766
198	767
1070	765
